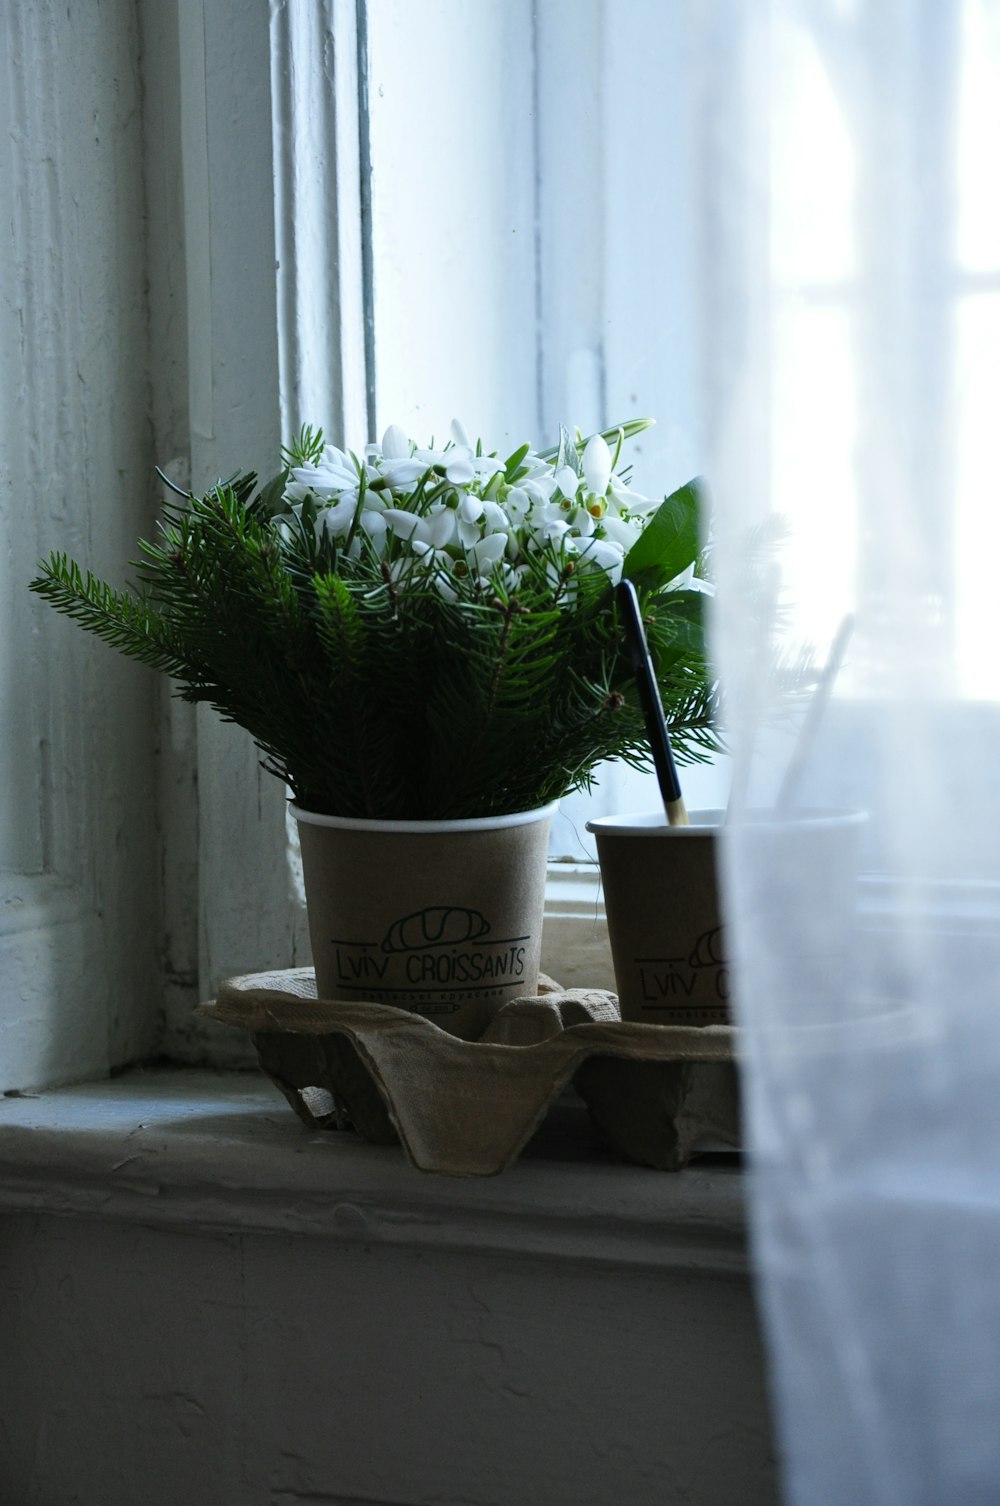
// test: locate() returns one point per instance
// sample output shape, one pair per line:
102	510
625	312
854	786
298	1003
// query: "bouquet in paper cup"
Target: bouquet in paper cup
423	637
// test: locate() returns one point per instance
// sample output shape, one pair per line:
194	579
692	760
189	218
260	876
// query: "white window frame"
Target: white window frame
293	113
285	113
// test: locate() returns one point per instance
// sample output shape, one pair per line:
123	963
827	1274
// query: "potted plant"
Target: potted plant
424	644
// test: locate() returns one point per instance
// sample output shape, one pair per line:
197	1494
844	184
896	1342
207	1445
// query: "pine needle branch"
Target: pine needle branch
129	624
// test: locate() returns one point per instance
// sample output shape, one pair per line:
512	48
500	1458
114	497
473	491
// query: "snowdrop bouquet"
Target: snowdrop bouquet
450	514
421	632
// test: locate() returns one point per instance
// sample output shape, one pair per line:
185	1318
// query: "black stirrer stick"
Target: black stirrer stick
652	706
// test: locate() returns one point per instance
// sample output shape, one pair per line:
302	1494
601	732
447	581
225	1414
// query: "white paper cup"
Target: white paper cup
666	922
443	918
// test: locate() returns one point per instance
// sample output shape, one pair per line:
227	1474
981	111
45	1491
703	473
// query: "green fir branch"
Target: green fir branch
127	623
365	686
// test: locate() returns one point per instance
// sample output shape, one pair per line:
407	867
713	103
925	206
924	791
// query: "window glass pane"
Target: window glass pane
978	219
977	515
812	170
453	217
814	425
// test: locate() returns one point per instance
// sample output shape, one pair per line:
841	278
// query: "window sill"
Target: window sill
220	1152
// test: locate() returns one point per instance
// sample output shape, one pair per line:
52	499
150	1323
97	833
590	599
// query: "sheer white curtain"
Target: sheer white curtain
856	207
775	225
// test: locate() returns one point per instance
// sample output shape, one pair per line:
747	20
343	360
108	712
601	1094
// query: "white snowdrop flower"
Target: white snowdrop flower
683	581
323	480
467	516
620	530
517	503
486	466
403	523
470	509
550	512
597	465
539	488
374	524
459	468
338	458
395	443
432	531
627	500
403	473
459	435
431	457
494	518
458	463
554	530
336	520
436	529
581	523
567	481
608	556
489	551
688	581
437	564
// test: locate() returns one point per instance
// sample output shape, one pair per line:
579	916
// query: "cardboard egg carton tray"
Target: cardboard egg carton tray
659	1093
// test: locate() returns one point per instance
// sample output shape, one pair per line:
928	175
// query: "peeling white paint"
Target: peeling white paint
77	797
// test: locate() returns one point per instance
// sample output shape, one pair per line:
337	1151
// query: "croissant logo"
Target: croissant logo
438	925
442	949
708	950
695	988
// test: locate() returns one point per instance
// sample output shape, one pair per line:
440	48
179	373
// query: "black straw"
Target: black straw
652	706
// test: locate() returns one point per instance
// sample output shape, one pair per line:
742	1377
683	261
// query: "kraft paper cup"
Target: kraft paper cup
443	918
666	924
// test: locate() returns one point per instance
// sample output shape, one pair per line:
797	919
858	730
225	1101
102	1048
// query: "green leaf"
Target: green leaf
630	428
670	540
568	453
269	498
689	605
514	464
687	635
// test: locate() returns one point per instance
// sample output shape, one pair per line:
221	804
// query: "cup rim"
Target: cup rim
709	822
470	823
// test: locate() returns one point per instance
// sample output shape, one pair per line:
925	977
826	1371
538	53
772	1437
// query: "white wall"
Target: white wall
77	794
275	1370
